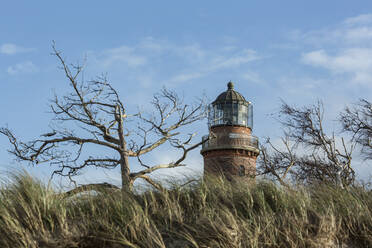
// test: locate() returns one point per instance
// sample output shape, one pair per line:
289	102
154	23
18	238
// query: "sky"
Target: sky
298	51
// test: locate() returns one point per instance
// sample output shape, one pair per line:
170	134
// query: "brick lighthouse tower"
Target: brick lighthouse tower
231	150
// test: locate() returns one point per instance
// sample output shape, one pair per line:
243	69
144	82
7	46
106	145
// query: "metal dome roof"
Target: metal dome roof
229	96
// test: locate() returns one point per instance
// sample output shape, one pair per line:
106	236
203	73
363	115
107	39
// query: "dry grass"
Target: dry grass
213	213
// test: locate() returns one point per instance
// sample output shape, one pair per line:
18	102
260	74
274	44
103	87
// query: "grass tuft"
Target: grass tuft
211	213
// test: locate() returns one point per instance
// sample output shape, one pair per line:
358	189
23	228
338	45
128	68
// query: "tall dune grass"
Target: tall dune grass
211	213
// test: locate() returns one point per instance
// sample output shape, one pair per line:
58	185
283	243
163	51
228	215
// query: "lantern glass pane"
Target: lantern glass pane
231	114
235	113
227	113
242	115
250	116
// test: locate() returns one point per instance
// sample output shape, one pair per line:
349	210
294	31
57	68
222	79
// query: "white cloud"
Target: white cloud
229	48
358	35
360	19
184	77
123	54
344	49
10	49
214	62
153	45
24	67
355	31
193	52
355	61
317	58
243	57
185	62
253	77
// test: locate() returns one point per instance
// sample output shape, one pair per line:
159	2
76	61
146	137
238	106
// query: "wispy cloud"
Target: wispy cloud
214	62
23	67
242	57
360	19
10	49
357	61
124	55
352	31
253	77
184	77
345	48
184	62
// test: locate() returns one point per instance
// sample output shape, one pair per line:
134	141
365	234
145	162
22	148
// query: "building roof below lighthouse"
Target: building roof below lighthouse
230	95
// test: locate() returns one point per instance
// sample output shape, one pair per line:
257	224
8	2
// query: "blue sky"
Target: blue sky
295	50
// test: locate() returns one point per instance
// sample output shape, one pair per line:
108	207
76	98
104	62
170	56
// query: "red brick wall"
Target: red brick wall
231	129
228	162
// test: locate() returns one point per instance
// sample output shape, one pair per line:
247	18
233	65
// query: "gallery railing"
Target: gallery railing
230	141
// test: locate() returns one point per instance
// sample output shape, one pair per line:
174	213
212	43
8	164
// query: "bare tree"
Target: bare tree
276	162
321	160
102	120
358	121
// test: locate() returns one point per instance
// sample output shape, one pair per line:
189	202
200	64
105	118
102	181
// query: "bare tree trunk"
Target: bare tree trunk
124	161
126	182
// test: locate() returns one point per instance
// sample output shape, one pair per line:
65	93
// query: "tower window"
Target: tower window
242	171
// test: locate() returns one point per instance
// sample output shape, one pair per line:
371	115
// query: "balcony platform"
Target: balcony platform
227	141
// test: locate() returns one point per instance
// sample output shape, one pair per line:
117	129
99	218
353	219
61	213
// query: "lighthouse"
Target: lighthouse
230	149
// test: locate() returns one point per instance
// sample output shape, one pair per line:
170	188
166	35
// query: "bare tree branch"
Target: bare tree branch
95	108
98	187
152	182
357	121
170	165
277	163
304	128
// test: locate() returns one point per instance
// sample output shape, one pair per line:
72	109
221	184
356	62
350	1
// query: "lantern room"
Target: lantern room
230	108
